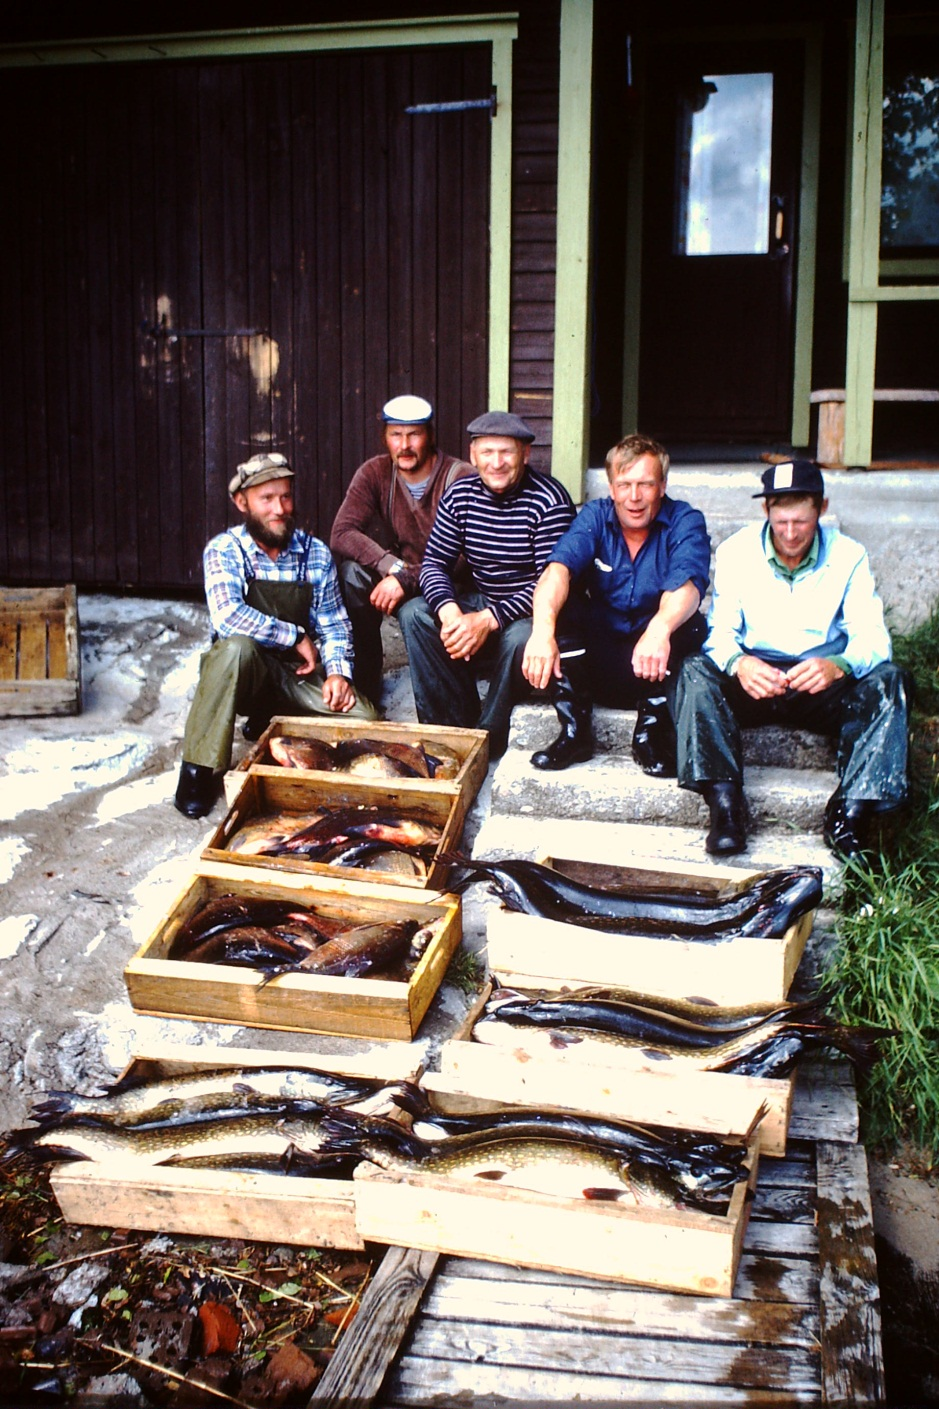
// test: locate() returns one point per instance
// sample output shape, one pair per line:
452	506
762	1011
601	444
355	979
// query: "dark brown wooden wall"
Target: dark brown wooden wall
289	196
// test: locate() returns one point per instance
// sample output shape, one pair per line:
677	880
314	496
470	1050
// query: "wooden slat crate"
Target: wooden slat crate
286	789
350	1007
471	746
531	952
315	1212
40	666
681	1249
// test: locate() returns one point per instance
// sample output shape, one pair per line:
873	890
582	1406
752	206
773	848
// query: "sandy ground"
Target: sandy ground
92	851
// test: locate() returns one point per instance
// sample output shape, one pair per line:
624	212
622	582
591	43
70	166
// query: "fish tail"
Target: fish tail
55	1105
410	1098
862	1045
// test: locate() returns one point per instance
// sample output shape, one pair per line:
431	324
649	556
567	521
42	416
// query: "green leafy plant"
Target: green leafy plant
466	971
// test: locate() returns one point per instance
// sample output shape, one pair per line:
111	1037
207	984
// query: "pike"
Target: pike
345	824
354	953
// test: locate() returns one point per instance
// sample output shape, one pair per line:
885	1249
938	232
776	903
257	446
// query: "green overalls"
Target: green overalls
238	676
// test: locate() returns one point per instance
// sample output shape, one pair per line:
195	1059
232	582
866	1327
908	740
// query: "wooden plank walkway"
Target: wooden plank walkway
803	1325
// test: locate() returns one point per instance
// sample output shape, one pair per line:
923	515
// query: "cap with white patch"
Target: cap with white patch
407	411
792	477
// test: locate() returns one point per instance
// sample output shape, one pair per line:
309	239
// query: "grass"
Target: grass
466	971
886	968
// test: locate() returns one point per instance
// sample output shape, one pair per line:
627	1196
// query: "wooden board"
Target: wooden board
290	790
681	1249
315	1212
352	1007
40	669
471	746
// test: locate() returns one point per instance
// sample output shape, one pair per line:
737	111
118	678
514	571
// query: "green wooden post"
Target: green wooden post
572	301
864	231
808	234
500	225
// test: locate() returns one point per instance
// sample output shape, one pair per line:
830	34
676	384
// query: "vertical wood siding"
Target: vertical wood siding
292	196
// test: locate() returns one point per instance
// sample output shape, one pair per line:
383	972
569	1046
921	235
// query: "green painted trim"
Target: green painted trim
864	251
572	290
500	227
286	39
894	293
632	302
804	316
908	268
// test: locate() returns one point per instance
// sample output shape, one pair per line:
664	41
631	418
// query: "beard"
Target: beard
270	537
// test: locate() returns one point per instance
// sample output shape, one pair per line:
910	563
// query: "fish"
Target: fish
562	1168
231	912
355	952
248	946
266	829
700	1011
292	751
766	911
130	1102
338	825
771	1051
444	762
382	758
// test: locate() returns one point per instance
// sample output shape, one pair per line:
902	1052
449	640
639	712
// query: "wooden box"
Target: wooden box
530	952
40	662
471	746
312	1212
677	1249
286	789
349	1007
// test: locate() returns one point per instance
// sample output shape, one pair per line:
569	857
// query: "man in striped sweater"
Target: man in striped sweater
504	522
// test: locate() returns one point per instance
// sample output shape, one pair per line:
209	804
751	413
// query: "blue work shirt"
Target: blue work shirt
625	592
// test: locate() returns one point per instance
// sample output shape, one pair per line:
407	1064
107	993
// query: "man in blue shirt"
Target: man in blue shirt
797	637
644	560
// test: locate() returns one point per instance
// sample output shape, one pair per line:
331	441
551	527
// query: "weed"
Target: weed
466	972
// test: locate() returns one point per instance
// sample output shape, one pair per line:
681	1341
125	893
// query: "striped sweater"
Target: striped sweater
505	538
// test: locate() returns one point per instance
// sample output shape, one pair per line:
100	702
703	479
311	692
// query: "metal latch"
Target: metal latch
460	105
162	330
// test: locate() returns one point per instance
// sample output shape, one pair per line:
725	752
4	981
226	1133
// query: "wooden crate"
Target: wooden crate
530	952
349	1007
40	665
472	746
680	1249
287	789
313	1212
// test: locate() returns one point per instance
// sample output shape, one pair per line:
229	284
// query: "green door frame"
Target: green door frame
803	310
498	30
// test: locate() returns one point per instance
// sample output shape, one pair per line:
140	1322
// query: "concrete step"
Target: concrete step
626	843
535	725
613	789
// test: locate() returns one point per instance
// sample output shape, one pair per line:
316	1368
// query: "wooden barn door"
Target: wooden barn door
201	260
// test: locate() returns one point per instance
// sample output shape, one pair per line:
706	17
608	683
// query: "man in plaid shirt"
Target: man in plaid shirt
281	638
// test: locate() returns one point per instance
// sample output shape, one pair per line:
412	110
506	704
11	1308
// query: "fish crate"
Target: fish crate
40	660
470	745
709	1102
308	1211
347	1007
287	790
530	952
675	1249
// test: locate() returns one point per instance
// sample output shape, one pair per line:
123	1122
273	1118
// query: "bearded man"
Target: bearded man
282	641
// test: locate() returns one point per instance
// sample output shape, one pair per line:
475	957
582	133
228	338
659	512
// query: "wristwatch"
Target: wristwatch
396	567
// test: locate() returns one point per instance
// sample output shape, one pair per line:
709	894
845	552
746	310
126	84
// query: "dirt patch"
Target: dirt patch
906	1222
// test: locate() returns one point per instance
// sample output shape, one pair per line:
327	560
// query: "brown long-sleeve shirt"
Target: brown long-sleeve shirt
379	521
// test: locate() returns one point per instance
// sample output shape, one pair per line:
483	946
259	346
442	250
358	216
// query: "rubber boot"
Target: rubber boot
728	834
574	706
654	746
196	791
844	825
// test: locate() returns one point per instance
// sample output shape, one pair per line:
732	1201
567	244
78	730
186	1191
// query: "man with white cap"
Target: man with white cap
281	637
503	522
796	637
381	530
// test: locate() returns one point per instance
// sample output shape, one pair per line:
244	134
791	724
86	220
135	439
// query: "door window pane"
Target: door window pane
910	195
725	151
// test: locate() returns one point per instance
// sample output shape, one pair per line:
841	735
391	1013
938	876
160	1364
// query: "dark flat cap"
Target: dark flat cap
792	477
258	470
501	423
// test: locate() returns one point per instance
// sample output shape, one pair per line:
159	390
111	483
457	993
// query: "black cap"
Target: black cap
501	423
792	477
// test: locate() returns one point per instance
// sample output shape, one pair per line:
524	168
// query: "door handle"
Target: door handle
779	227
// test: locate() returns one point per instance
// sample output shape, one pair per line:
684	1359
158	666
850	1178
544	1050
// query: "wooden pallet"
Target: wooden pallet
802	1327
39	651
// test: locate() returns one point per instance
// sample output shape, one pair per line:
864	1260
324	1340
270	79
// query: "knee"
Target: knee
232	652
414	616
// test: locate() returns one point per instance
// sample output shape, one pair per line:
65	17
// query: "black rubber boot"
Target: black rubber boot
196	790
844	825
574	709
654	746
728	834
253	727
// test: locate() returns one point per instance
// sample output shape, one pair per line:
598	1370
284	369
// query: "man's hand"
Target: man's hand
814	675
308	654
651	652
387	595
542	659
761	681
464	633
338	694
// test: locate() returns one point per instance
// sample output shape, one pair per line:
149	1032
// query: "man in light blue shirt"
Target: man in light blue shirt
797	637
